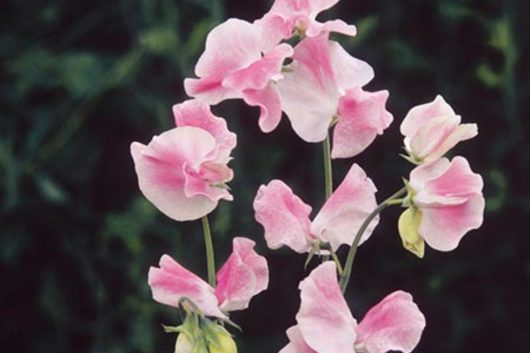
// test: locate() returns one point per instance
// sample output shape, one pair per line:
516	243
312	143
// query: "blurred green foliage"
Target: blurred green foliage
81	80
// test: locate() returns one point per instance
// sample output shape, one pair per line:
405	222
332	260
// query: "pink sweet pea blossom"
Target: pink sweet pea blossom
288	16
432	129
183	171
285	217
323	83
326	325
236	63
448	197
244	275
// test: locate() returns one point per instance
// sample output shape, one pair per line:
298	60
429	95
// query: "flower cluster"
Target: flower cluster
286	63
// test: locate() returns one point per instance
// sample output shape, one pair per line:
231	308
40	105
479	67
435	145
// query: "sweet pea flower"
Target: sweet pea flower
289	16
432	129
322	86
285	217
326	325
446	203
183	171
244	275
236	63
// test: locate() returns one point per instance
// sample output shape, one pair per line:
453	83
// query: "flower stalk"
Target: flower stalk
328	172
392	200
210	257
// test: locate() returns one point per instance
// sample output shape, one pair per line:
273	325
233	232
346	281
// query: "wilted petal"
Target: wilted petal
362	116
296	344
198	114
284	216
394	324
243	275
443	227
172	282
163	169
348	207
324	319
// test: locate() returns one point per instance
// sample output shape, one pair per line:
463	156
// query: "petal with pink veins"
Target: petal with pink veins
163	168
362	116
284	216
198	114
243	275
324	319
443	227
394	324
171	282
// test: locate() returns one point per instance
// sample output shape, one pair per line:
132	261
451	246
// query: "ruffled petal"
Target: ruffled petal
348	207
198	114
362	116
284	216
394	324
269	102
172	282
443	227
297	344
162	169
309	92
324	319
349	72
421	114
243	275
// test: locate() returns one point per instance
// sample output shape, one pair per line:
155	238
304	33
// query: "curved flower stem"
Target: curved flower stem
337	261
210	257
328	173
392	200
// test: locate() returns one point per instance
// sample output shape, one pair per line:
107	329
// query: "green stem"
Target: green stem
346	274
328	173
208	243
337	261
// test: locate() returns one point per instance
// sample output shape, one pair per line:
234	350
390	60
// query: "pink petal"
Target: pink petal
268	100
337	26
442	227
425	172
243	275
216	62
309	92
284	216
350	72
163	171
324	319
452	185
273	29
431	135
343	213
462	132
394	324
362	116
297	344
421	114
258	75
172	282
198	114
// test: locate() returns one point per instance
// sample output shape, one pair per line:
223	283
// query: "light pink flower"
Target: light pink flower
326	325
285	217
247	70
288	16
183	171
244	275
324	83
432	129
449	197
172	282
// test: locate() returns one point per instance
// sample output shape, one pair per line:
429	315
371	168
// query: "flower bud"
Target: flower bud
218	339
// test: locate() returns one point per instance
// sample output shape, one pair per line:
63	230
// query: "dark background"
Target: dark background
81	80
